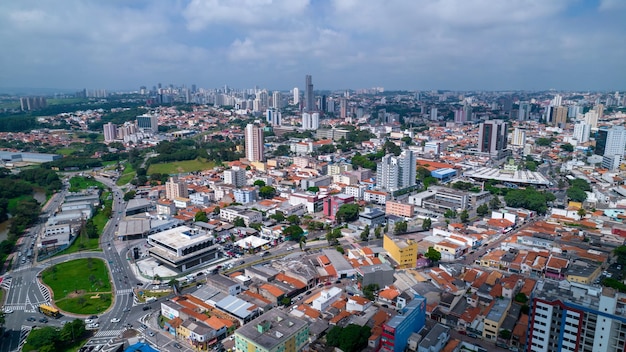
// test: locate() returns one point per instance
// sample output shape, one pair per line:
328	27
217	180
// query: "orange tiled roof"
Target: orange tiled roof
273	290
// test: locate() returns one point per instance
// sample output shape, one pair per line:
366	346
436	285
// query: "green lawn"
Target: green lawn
178	167
65	151
79	286
128	174
78	183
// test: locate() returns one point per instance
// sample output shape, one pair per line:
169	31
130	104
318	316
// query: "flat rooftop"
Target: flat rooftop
519	176
179	237
277	328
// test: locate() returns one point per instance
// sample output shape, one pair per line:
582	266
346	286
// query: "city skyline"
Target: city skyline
399	45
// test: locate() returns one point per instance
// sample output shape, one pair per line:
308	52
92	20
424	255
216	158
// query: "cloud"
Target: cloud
201	14
610	5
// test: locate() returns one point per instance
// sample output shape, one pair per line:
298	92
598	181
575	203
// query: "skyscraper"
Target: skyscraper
611	141
110	132
254	143
310	121
296	96
524	111
343	108
308	94
492	136
582	132
273	116
397	172
277	100
559	116
433	114
519	137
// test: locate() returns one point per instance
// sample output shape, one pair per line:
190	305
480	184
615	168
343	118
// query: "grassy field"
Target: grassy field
66	101
79	286
78	183
178	167
13	202
128	174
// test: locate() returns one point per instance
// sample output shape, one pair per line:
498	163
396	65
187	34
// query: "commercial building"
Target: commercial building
492	137
610	141
310	121
444	175
495	318
411	319
308	94
273	116
230	214
397	172
332	204
575	317
28	157
379	274
148	123
402	250
333	133
372	217
271	332
110	132
582	132
183	248
518	138
254	143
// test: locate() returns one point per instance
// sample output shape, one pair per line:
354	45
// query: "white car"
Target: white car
8	310
89	321
115	320
93	326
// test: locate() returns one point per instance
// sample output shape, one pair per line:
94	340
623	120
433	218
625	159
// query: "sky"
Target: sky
344	44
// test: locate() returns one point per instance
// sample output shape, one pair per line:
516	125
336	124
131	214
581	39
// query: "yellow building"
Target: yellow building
583	272
274	331
402	250
494	319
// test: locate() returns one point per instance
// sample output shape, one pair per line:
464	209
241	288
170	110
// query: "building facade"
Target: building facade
254	143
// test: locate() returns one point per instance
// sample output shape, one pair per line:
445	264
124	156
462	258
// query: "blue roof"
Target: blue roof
140	347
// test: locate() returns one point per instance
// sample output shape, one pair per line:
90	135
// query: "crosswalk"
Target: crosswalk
44	291
6	283
123	292
23	335
108	333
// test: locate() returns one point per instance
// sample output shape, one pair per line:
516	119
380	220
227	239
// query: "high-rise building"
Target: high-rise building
110	132
591	118
310	121
273	116
254	143
615	141
567	316
277	100
518	138
174	188
330	105
433	114
600	110
308	94
558	99
492	136
582	132
343	108
235	176
523	113
148	123
296	96
558	116
397	172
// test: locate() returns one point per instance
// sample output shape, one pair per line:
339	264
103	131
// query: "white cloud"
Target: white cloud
203	13
611	5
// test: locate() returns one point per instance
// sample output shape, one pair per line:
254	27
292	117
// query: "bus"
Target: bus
49	311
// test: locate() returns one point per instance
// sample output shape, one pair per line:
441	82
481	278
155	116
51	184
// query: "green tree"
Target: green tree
582	212
370	290
505	334
278	216
294	219
450	214
427	224
521	297
129	195
259	183
347	213
377	232
201	216
42	337
352	338
433	254
340	250
567	147
482	210
285	301
239	222
314	189
576	194
267	192
464	216
293	233
421	173
365	234
302	242
400	227
494	203
580	183
216	210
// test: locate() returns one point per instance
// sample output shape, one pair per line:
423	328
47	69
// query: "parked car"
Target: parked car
31	319
115	320
177	345
472	335
146	307
151	333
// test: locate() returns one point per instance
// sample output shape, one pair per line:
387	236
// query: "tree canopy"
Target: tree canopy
293	233
352	338
347	213
529	198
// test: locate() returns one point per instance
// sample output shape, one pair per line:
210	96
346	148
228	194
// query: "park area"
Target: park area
80	286
178	167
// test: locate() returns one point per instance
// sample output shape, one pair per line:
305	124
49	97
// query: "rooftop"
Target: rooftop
271	329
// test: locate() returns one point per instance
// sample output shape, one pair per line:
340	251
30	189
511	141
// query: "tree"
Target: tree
294	219
581	212
521	297
44	336
464	216
494	203
400	227
567	147
370	290
427	224
422	173
505	334
365	235
302	242
2	318
347	213
267	192
482	210
216	210
259	183
580	183
201	216
129	195
174	284
285	301
352	338
278	216
450	214
576	194
433	254
377	232
239	222
293	233
314	189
